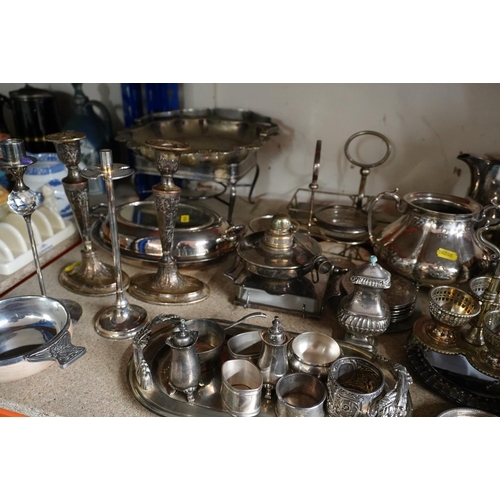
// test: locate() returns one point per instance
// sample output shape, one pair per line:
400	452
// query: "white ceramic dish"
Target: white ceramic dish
15	239
43	224
55	219
6	254
19	223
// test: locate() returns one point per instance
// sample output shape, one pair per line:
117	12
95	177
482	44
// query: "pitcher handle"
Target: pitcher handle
143	373
371	206
395	401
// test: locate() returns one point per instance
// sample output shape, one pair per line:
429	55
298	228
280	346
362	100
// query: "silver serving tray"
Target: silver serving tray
207	398
217	136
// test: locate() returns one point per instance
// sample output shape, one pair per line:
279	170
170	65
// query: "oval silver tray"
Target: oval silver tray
207	398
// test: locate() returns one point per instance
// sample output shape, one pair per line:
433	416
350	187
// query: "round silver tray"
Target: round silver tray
207	398
464	390
217	136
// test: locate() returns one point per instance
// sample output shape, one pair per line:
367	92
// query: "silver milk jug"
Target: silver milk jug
185	367
273	359
434	241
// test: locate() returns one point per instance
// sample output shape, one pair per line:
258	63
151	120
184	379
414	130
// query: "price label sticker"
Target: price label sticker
184	218
70	268
447	254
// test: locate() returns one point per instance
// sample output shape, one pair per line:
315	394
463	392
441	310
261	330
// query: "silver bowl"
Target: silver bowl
35	331
313	353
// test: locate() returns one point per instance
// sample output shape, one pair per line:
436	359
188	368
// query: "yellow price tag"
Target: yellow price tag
71	267
184	218
447	254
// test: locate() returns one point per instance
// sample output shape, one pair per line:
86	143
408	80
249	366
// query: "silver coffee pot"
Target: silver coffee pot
185	367
273	360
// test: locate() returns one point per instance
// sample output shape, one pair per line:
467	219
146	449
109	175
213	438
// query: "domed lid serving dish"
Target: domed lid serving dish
200	235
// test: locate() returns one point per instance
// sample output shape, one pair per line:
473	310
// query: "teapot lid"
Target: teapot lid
182	336
28	93
371	274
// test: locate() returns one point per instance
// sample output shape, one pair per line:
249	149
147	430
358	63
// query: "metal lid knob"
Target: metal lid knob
182	336
280	233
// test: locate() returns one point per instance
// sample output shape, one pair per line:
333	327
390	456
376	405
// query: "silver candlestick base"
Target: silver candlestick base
123	320
167	286
90	276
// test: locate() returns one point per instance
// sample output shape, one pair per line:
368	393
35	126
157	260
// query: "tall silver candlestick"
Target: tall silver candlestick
167	286
90	276
123	320
22	200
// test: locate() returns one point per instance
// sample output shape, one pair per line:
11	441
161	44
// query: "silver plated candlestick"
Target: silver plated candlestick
22	200
167	286
123	320
90	276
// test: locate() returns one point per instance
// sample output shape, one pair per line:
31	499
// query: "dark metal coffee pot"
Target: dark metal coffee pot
34	114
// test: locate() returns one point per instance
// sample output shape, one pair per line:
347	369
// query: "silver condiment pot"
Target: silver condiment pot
185	367
273	360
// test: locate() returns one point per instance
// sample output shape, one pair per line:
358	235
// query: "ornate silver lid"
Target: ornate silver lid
275	334
372	275
182	336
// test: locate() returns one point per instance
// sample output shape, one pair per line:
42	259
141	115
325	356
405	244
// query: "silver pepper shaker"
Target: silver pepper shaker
363	313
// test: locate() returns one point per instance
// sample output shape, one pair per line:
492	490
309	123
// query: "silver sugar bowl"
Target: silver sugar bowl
363	313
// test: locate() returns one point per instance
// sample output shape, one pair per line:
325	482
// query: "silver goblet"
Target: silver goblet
167	286
90	276
123	320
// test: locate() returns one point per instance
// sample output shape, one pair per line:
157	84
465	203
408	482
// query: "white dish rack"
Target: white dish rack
16	256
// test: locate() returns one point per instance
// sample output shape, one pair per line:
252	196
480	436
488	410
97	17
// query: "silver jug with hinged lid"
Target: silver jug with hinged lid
185	367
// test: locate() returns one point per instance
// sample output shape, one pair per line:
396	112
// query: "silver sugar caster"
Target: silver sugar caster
273	359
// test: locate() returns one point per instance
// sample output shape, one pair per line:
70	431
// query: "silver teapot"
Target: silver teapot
434	240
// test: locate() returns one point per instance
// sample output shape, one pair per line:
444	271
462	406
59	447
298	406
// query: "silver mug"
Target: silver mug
353	386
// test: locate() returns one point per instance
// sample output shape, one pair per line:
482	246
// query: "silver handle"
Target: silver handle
60	350
371	206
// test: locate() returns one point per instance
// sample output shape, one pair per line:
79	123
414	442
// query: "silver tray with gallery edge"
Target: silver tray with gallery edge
219	137
454	378
200	235
154	352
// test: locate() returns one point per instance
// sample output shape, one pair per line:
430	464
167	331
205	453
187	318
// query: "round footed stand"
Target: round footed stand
484	362
187	290
90	278
120	323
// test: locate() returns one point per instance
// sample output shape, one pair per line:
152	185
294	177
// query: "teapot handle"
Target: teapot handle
371	206
105	116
